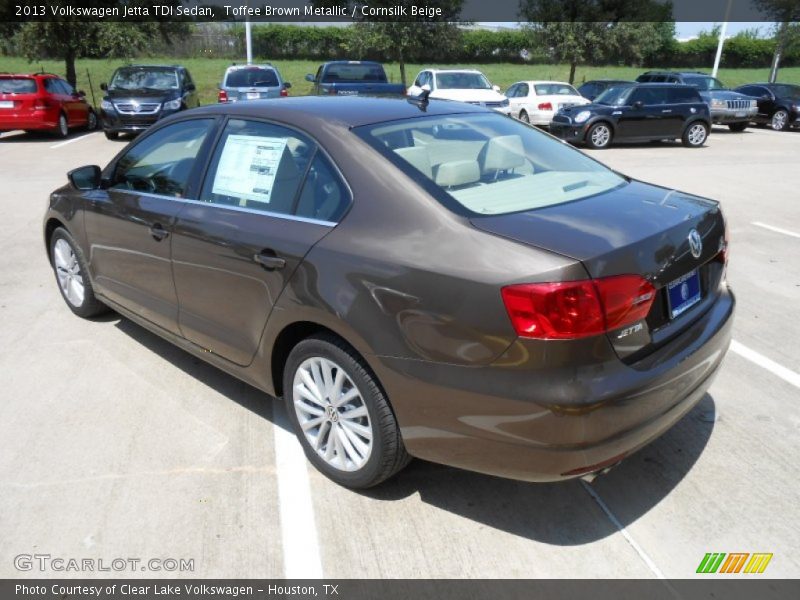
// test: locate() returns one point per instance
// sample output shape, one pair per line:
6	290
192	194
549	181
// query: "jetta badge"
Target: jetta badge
695	243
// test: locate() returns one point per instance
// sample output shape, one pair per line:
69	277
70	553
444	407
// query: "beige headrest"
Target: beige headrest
504	152
458	172
417	157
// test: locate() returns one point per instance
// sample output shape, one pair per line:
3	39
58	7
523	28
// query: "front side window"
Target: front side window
462	81
52	87
523	90
489	164
512	91
616	95
649	96
162	162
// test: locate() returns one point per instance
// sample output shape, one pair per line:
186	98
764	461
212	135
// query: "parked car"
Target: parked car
436	281
536	102
462	85
637	113
352	78
592	89
139	95
42	102
727	107
778	104
252	82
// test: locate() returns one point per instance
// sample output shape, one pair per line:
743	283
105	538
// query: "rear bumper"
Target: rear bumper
515	421
29	120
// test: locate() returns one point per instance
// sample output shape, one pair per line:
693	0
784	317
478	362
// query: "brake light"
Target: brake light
222	96
576	309
546	106
722	255
41	104
284	92
332	91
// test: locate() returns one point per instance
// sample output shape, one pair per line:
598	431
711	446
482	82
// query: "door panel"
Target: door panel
129	224
267	199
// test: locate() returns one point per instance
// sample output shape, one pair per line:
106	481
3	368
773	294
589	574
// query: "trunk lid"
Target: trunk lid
637	229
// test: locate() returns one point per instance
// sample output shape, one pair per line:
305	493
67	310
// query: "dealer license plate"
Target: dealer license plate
253	95
683	293
741	114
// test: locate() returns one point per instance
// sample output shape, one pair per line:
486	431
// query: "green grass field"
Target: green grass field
208	72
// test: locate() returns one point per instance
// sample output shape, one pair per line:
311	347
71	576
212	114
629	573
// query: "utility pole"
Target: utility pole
721	41
248	35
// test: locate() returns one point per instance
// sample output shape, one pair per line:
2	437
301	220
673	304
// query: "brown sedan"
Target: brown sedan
415	279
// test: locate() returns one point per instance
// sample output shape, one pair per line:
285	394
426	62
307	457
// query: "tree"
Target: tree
70	38
403	37
578	31
787	31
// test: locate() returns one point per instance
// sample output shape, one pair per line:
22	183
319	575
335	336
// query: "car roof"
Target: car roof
675	73
252	66
542	81
143	66
609	81
29	75
343	111
352	62
454	71
658	84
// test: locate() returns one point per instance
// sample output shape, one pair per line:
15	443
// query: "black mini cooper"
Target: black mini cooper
637	113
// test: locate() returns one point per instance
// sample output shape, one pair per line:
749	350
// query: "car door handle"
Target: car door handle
158	232
667	110
269	261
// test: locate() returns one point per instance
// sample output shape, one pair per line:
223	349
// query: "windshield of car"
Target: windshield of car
251	77
616	95
462	81
142	78
354	73
17	85
555	89
487	163
782	90
704	83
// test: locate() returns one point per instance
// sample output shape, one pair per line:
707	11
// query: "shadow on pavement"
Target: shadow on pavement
554	513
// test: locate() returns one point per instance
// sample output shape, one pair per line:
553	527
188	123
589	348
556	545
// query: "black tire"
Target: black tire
111	135
388	454
600	136
89	306
523	116
91	121
691	137
737	127
62	128
779	121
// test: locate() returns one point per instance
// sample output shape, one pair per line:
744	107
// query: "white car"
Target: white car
462	85
537	102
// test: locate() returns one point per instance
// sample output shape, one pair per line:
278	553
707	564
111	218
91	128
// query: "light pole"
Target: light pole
248	35
721	41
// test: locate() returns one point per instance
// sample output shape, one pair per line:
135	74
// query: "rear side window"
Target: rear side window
650	96
52	87
17	85
251	78
273	169
683	95
162	163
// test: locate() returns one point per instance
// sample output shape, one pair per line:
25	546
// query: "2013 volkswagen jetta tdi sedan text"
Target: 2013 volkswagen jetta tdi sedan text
415	279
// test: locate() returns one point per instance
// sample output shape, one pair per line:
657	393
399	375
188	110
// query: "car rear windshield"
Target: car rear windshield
17	85
251	77
145	78
350	73
555	89
462	81
489	164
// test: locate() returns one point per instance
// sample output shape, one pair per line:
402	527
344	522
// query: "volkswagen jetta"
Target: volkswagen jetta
426	279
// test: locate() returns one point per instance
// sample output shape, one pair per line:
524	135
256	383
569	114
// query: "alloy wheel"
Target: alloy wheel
68	272
697	135
63	127
779	120
600	136
523	116
332	414
91	123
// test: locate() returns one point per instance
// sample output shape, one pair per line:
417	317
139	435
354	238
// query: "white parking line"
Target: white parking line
301	555
776	229
770	365
628	538
75	139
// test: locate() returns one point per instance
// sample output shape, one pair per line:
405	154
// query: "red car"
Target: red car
42	102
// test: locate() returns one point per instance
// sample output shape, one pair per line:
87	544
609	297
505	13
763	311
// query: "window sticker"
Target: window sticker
248	166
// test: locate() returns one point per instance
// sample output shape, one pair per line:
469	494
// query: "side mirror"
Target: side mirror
104	86
81	93
287	85
85	178
638	104
191	87
496	88
426	87
310	78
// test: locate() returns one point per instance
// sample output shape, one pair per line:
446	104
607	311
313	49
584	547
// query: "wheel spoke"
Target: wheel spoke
322	435
327	378
349	395
364	432
311	387
349	451
354	413
311	423
361	447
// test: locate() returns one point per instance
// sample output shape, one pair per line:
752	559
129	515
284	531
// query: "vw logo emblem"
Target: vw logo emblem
695	243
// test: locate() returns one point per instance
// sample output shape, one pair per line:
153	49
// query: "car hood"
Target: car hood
468	95
141	95
598	109
635	228
724	95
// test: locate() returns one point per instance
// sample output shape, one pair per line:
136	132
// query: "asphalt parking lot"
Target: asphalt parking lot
117	444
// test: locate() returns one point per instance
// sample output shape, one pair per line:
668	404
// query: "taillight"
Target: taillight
41	104
722	255
576	309
546	106
222	96
284	92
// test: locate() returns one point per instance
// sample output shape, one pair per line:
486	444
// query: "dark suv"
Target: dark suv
727	107
140	95
637	112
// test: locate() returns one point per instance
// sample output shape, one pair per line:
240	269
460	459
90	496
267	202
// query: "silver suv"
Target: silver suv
252	82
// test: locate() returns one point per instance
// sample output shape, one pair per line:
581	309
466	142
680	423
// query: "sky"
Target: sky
687	30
